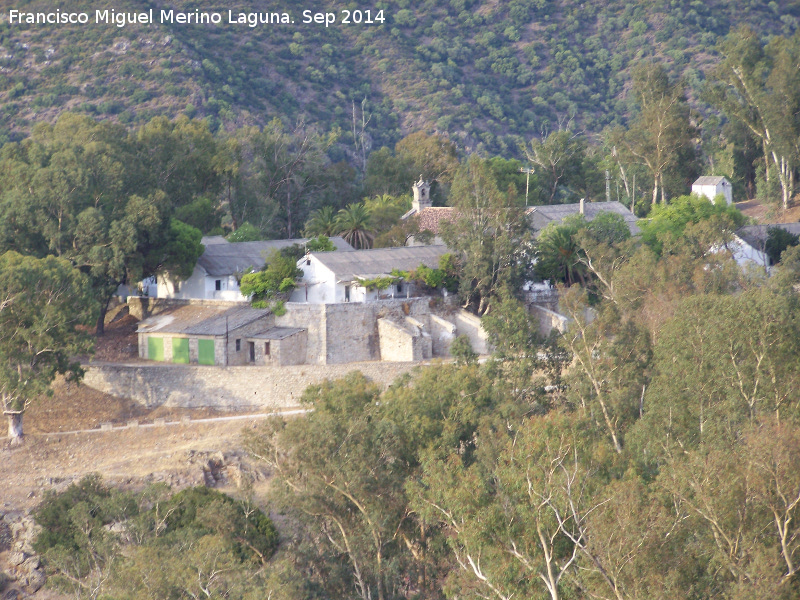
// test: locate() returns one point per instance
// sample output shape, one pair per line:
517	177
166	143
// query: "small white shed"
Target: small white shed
711	187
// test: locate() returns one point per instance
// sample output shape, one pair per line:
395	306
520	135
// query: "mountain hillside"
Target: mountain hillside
487	73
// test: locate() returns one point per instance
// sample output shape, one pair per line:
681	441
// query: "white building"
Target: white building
749	245
541	216
332	277
218	271
711	187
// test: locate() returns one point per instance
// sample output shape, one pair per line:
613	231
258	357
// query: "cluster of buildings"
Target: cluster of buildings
333	316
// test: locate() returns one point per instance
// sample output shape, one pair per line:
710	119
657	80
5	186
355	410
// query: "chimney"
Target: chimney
422	195
581	205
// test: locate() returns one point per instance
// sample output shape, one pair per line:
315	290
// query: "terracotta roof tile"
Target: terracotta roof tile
431	218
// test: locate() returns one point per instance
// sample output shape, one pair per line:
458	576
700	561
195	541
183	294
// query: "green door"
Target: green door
180	350
205	352
155	348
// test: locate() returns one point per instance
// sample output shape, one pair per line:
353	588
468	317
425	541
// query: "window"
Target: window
347	293
266	348
218	284
399	287
238	345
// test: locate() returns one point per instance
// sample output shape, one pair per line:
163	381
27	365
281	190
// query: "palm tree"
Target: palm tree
354	226
321	222
558	254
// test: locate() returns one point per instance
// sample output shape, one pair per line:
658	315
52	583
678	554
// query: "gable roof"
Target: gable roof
221	259
709	180
557	212
208	240
277	333
348	266
202	320
756	235
431	218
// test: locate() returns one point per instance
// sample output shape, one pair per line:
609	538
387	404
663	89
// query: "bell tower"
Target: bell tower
422	195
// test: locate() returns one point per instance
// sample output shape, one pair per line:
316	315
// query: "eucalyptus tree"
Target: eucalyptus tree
660	136
490	232
46	306
288	170
78	190
558	159
758	86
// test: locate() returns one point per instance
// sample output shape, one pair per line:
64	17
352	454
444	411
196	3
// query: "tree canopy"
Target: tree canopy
46	306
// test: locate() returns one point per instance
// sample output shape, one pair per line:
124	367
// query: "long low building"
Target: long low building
541	216
218	271
749	244
210	335
332	277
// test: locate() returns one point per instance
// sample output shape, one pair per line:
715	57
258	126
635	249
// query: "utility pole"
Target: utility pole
608	186
527	171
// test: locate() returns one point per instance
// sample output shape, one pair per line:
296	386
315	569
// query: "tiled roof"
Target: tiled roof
347	266
221	259
756	235
202	320
708	180
431	218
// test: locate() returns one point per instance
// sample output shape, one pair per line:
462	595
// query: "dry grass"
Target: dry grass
50	458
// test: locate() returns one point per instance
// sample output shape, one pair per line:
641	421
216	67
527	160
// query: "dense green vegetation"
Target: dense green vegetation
490	74
277	277
646	452
101	542
46	307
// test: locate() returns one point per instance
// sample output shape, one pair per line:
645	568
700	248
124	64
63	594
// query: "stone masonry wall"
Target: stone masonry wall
396	342
549	320
443	333
352	328
236	388
310	317
470	325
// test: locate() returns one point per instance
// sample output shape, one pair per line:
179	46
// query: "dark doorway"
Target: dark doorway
252	351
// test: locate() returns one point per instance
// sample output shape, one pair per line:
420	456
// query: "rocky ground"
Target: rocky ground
180	452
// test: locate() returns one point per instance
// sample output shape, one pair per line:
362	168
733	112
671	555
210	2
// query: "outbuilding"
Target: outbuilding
222	336
713	186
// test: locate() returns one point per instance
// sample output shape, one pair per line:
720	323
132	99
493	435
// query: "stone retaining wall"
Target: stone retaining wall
549	320
232	388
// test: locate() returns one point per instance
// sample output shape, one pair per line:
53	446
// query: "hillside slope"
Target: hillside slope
487	73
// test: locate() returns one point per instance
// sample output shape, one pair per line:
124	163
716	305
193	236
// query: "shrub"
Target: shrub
201	511
461	350
245	233
278	276
55	513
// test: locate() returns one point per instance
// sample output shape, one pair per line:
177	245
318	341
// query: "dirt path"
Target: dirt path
180	454
64	442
